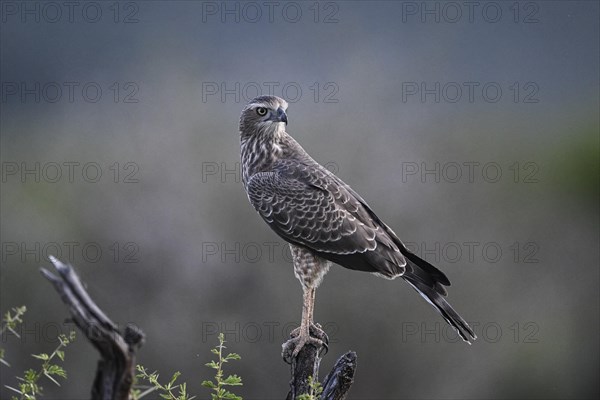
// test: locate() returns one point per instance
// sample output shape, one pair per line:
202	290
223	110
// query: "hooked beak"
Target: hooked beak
281	116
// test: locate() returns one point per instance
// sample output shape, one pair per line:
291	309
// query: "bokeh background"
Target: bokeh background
148	94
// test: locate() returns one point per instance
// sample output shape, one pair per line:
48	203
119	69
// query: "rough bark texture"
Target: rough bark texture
116	368
335	385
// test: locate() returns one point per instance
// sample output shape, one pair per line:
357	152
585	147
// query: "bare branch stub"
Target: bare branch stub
341	377
335	385
116	368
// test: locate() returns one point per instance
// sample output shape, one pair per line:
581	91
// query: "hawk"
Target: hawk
323	219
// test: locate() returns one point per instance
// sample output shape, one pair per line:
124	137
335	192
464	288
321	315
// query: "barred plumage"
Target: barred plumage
322	218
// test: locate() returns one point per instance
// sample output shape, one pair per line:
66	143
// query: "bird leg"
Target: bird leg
307	333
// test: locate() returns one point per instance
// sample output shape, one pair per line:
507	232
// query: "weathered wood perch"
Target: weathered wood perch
116	368
335	385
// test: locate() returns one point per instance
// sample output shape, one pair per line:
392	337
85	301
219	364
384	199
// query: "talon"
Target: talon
295	332
317	331
316	337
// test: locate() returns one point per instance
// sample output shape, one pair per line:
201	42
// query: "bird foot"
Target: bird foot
316	337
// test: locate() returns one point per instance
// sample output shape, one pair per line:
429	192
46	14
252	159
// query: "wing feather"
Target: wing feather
308	206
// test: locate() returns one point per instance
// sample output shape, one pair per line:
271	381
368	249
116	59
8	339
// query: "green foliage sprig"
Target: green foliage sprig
315	390
219	384
11	323
165	391
29	387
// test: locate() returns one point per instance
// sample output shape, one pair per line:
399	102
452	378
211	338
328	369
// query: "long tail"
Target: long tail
429	282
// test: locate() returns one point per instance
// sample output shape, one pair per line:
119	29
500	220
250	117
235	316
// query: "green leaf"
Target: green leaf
174	378
213	365
42	356
233	380
208	384
56	370
30	375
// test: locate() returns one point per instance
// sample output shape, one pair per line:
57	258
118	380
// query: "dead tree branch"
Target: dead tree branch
335	385
116	368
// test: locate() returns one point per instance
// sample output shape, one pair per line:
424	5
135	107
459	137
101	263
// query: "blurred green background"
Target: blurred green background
472	130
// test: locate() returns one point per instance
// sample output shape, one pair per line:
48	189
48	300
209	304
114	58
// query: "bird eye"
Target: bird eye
261	111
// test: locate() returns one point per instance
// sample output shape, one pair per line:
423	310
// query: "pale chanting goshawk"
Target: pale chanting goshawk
323	219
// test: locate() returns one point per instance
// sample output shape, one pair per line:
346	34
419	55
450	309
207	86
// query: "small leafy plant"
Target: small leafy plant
165	391
219	384
29	387
315	390
10	323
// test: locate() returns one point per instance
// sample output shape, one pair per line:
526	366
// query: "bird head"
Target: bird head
264	114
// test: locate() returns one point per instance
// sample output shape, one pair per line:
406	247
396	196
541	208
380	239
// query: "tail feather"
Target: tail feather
434	273
429	285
